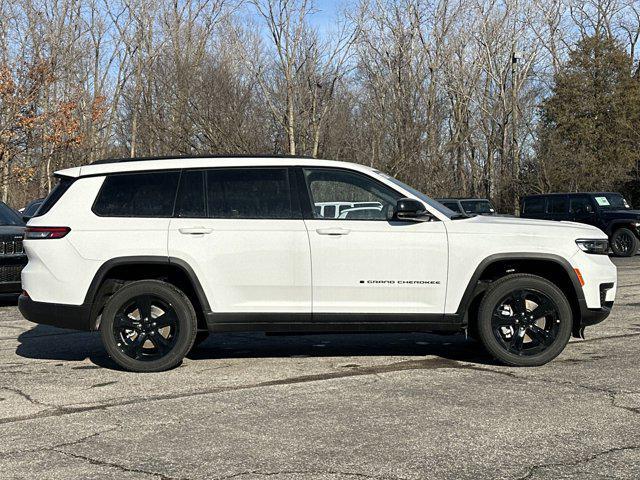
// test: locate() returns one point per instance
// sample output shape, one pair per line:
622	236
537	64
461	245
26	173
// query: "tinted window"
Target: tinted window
452	205
137	195
258	193
534	205
8	216
32	208
344	189
56	194
329	211
612	201
477	206
190	201
580	205
557	204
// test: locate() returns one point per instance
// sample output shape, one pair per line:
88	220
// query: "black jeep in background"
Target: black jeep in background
610	212
12	256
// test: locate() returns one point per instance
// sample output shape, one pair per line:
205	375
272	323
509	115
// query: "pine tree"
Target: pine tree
590	131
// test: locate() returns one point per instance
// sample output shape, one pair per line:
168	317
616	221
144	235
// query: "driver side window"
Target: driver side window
343	195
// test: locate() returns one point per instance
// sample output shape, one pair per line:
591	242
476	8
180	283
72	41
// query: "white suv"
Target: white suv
156	253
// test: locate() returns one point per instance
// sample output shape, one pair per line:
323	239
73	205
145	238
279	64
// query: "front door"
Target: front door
363	263
242	232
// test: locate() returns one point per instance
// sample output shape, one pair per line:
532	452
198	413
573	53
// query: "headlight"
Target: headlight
599	247
635	224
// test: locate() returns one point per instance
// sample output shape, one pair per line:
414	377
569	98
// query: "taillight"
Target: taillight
41	233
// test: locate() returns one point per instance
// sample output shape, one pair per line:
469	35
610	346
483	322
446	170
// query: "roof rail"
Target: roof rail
178	157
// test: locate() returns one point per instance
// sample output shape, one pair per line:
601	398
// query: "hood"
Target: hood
532	226
634	214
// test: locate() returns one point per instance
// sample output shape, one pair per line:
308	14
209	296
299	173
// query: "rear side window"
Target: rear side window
558	205
56	194
452	206
137	195
534	205
254	193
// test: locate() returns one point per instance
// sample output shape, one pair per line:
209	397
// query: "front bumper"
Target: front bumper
76	317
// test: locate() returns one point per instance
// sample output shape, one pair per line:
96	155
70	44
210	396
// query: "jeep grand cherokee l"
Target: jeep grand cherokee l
157	253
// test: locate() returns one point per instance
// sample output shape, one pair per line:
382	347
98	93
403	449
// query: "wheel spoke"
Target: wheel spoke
134	349
162	344
518	304
167	319
143	302
517	342
125	322
538	334
500	320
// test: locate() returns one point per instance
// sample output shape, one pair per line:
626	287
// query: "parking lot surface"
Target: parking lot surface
249	406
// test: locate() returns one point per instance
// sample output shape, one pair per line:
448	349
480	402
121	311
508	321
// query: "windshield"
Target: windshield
611	201
8	216
428	200
478	206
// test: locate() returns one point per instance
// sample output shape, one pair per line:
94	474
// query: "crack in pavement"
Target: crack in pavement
117	466
308	472
423	364
61	445
535	468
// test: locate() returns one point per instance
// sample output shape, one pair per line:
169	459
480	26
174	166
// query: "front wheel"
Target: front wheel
624	243
148	326
524	320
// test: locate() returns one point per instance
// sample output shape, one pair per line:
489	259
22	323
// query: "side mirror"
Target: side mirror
408	209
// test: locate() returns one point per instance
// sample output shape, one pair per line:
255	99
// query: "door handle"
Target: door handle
195	230
333	231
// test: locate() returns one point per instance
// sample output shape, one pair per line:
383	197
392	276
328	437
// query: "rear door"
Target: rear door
242	232
366	264
558	207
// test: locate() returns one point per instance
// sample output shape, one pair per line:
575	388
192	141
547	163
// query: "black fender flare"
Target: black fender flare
100	275
473	289
615	224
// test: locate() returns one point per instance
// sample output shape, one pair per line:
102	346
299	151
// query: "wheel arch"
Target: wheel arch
552	267
115	272
621	223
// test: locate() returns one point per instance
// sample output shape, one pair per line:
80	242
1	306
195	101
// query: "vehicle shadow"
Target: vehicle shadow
49	343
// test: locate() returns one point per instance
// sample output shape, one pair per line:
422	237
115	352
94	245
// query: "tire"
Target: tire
148	326
508	330
624	243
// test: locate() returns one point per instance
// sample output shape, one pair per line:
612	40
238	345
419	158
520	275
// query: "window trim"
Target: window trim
146	172
307	199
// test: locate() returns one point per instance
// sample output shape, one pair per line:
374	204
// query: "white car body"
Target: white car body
308	266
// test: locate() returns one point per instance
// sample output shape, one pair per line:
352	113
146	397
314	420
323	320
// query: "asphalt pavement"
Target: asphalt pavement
250	406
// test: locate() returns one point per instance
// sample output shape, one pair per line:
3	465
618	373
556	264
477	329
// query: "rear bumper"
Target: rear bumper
76	317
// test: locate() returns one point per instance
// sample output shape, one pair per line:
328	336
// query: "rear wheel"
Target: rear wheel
524	320
148	326
624	243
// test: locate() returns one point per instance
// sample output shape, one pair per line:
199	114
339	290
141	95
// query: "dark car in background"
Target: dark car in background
12	256
31	208
469	206
609	211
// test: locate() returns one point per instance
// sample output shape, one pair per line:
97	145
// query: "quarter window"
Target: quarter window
353	196
137	195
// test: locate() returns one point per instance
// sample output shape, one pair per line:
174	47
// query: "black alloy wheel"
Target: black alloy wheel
148	326
524	320
624	243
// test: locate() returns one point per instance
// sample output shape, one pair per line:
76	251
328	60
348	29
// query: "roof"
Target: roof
569	193
104	167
